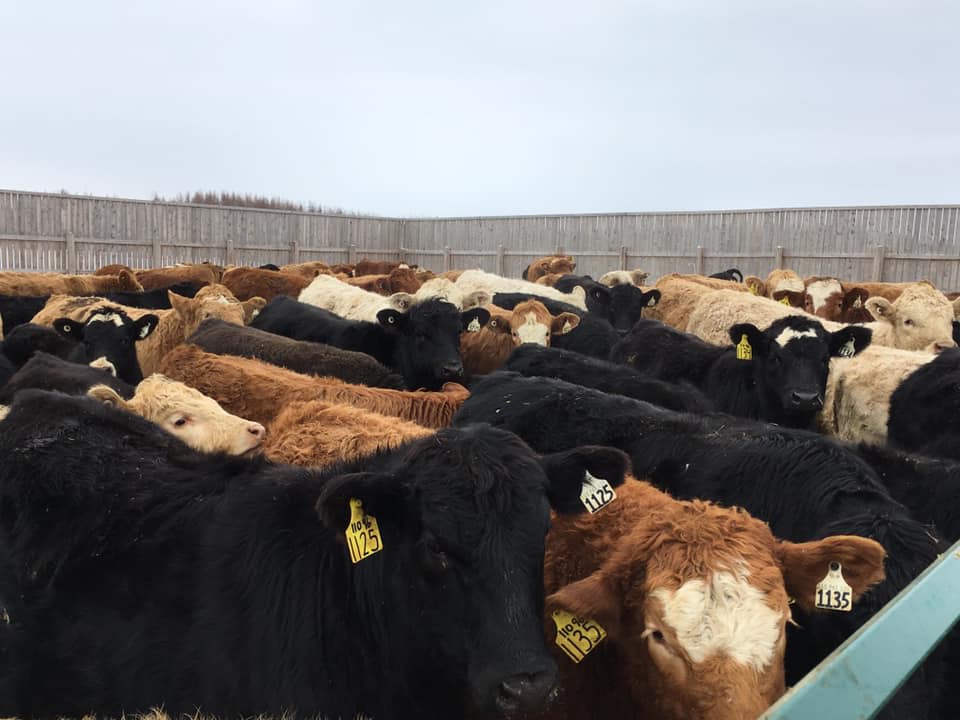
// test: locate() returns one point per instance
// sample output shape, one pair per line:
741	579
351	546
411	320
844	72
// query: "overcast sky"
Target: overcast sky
449	108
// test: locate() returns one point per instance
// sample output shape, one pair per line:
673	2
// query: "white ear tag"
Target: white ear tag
833	593
858	303
474	326
596	493
849	349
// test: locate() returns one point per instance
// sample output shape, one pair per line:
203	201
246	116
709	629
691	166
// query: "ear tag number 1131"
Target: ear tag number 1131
363	533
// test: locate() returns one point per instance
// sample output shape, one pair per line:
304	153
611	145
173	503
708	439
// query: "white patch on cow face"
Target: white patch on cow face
224	300
820	290
533	331
106	318
101	363
727	616
788	334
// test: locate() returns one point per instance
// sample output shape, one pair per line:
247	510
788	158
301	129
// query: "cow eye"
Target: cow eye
180	422
908	321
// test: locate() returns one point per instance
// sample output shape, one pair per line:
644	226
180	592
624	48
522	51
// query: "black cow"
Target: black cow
20	309
48	372
620	305
108	339
423	344
594	336
159	576
270	266
537	360
7	370
309	358
732	275
806	486
923	409
778	374
23	341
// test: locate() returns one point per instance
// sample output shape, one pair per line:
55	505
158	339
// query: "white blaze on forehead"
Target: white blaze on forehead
223	300
820	290
111	317
532	330
101	363
789	334
727	616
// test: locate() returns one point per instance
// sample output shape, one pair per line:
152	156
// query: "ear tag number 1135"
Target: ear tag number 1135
833	592
363	533
577	636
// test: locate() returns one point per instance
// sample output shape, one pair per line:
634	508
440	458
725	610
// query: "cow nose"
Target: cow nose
806	400
257	430
526	692
451	370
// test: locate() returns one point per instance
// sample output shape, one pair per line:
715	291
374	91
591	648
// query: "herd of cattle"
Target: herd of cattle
372	490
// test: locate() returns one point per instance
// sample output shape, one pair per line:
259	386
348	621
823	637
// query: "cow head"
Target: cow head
627	302
531	322
920	319
819	290
459	582
427	341
853	306
791	360
755	285
108	340
442	289
791	298
187	414
695	599
213	301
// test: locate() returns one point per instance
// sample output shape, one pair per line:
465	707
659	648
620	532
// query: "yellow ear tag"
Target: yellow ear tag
752	289
833	593
577	637
744	350
363	533
596	493
785	300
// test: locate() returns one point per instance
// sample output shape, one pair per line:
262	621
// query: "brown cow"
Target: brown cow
486	349
791	298
259	391
308	270
40	284
840	306
694	599
376	267
318	434
887	290
187	414
403	279
113	269
198	274
679	295
551	264
246	283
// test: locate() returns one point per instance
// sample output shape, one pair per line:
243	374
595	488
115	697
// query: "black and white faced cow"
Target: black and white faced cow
422	344
620	305
134	549
778	375
108	341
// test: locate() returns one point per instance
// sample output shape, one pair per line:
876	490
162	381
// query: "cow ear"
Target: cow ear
806	564
564	323
849	341
880	309
109	396
401	301
567	472
855	298
178	302
600	294
651	298
596	597
956	307
474	319
252	308
638	276
755	285
499	324
392	319
579	293
69	328
144	327
381	495
477	298
756	339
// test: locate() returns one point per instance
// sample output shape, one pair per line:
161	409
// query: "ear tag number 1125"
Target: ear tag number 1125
363	533
596	493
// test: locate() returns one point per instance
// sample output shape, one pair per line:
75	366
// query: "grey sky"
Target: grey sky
447	108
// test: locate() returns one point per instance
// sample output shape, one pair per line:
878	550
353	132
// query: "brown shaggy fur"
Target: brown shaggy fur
259	391
38	284
890	291
781	279
200	274
318	433
308	270
402	279
605	567
679	295
246	283
791	298
550	265
755	286
374	267
113	269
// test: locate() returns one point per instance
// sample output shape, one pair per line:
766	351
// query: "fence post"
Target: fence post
879	255
352	254
623	257
157	249
500	259
699	268
402	255
230	260
447	264
778	257
71	253
558	249
294	252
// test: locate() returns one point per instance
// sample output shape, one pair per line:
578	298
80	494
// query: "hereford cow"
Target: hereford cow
624	277
320	434
549	265
620	305
804	485
474	280
423	344
246	283
841	306
528	323
49	372
258	391
536	360
187	414
819	289
34	284
778	374
694	600
126	539
308	358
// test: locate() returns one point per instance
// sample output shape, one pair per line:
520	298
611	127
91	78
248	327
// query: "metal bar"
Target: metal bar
857	679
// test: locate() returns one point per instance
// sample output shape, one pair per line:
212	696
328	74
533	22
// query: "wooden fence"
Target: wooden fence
69	233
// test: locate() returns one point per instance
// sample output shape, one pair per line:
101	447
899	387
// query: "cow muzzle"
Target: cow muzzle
526	692
451	371
800	400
